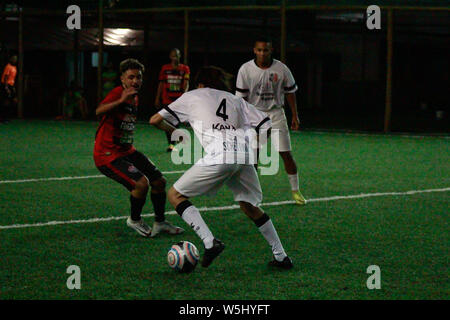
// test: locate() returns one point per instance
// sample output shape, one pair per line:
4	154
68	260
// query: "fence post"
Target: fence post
388	107
100	52
21	84
186	37
283	32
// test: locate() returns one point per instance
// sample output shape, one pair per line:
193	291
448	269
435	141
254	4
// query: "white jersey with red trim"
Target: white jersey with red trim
265	88
222	123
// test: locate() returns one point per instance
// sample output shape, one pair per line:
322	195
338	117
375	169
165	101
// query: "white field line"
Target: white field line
232	207
70	178
361	134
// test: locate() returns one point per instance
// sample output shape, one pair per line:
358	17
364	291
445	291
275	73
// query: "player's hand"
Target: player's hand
128	93
295	124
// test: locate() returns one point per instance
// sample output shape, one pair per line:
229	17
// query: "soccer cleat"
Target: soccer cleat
166	227
212	253
285	264
170	148
140	226
298	198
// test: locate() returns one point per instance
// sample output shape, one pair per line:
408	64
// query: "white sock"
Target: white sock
270	234
193	218
293	180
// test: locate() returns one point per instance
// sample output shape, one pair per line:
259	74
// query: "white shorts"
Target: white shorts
207	180
279	123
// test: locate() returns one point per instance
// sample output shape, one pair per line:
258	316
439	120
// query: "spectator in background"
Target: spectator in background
8	91
109	78
73	100
173	82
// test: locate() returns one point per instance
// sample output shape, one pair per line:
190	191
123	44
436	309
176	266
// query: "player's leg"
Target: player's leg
157	195
190	214
291	169
282	141
267	229
131	178
247	191
171	142
196	181
5	103
83	109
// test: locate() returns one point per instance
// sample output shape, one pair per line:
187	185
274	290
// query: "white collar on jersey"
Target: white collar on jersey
271	63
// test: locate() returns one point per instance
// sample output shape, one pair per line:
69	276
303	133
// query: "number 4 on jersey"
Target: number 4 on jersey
223	115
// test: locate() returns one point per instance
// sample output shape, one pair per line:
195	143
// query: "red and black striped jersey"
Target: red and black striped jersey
172	79
114	137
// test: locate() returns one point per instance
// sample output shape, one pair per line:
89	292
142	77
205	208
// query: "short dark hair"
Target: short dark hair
263	39
131	64
175	49
214	77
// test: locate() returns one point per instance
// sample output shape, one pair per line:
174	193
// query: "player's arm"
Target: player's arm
158	95
258	120
292	102
5	76
186	79
186	85
158	121
106	107
242	88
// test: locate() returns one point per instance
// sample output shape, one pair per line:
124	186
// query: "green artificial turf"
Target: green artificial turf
331	242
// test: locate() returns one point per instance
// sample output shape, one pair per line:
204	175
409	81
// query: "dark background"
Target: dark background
339	65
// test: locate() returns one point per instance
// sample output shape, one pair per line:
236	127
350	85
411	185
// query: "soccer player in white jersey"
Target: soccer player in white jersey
218	118
266	83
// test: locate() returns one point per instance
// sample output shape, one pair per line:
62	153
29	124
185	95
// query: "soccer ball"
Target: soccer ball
183	257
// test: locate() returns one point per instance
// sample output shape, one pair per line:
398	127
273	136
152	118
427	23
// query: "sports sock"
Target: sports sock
293	180
136	207
190	214
267	229
159	205
168	135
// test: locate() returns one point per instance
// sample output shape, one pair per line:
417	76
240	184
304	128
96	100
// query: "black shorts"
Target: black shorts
7	94
129	169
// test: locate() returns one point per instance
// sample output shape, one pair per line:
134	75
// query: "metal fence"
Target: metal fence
350	77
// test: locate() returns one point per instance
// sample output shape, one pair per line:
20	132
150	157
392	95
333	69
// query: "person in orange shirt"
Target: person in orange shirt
8	91
173	82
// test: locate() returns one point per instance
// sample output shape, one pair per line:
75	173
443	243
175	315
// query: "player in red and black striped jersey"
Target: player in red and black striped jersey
173	82
116	157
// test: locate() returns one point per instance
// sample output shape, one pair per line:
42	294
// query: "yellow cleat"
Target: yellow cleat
298	198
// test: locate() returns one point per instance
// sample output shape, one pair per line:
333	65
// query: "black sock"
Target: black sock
136	207
261	220
182	206
159	205
168	135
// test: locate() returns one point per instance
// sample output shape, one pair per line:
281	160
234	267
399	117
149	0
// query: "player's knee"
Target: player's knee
250	210
286	155
159	185
142	185
174	196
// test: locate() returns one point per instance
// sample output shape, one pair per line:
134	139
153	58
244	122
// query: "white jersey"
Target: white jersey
265	88
222	122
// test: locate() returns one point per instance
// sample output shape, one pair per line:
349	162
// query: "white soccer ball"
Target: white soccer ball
183	257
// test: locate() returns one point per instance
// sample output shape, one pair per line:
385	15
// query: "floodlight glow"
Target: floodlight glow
121	31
